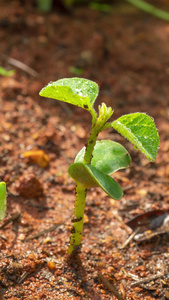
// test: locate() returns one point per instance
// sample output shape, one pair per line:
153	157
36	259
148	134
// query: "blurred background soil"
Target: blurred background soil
127	53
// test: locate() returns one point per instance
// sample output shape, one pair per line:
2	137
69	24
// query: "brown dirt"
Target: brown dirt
126	52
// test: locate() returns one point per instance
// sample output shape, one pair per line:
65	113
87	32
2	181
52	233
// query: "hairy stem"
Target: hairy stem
98	126
90	146
77	229
81	190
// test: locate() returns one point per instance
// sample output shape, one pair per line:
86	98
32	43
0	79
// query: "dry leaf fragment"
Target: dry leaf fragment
37	156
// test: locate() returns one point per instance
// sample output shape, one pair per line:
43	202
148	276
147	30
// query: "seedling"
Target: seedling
97	160
2	199
4	72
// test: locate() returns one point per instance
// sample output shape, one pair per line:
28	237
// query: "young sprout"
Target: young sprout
4	72
2	199
98	160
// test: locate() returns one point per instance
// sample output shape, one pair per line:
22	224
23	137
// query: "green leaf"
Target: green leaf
77	91
6	73
2	199
141	131
108	156
151	9
76	71
102	7
90	176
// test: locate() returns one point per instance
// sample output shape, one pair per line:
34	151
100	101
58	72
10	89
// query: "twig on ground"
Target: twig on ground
147	279
11	219
130	238
110	286
23	276
122	223
133	276
36	235
67	109
22	66
3	237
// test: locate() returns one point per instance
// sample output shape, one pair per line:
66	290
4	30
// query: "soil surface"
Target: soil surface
127	53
